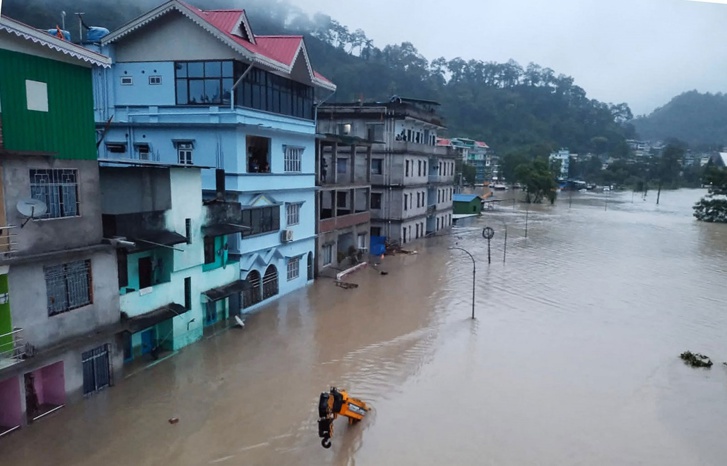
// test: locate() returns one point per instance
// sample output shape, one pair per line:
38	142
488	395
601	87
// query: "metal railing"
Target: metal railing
12	347
7	239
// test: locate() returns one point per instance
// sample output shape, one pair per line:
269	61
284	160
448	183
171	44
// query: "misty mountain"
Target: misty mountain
695	118
509	106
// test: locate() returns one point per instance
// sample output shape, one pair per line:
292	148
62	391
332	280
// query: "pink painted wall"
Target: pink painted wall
10	408
54	384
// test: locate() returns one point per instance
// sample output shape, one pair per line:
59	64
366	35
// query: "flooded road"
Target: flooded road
572	360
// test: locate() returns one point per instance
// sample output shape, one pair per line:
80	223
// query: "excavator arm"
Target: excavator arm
337	403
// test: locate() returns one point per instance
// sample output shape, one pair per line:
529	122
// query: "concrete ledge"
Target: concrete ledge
353	269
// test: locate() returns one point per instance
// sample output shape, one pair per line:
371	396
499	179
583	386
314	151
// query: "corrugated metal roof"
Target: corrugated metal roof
54	43
281	48
465	197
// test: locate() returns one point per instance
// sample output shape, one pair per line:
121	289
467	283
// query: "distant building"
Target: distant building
412	178
475	154
467	204
59	311
564	157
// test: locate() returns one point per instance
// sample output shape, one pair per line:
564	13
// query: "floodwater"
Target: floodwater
573	358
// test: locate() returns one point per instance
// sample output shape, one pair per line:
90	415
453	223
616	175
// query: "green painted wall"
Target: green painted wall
472	207
163	274
219	260
67	128
6	321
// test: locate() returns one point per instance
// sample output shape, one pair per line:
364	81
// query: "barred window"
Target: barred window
293	214
293	156
293	268
68	286
58	189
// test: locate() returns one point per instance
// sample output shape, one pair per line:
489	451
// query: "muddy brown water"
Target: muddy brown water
572	360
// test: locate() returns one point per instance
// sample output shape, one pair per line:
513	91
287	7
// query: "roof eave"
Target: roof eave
54	43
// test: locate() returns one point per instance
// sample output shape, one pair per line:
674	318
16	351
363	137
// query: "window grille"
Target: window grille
293	158
58	189
68	286
293	268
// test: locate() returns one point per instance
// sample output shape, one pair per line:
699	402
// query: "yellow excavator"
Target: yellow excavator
334	403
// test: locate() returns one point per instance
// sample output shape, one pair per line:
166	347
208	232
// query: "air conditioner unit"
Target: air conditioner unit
286	236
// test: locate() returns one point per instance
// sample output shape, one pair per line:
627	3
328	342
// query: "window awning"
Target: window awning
222	292
155	239
222	229
138	323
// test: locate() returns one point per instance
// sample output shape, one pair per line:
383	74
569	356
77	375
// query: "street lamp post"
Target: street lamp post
474	274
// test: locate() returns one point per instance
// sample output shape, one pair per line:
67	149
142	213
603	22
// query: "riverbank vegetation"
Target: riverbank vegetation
713	206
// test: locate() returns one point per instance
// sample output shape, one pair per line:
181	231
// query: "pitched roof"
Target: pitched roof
232	27
481	144
465	197
44	39
444	142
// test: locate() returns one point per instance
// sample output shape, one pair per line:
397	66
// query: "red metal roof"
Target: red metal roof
444	142
282	49
481	144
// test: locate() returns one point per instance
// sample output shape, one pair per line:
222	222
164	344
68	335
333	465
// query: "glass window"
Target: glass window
377	166
212	69
58	189
195	69
181	69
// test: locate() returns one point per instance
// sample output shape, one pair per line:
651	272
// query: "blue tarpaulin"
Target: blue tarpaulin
378	245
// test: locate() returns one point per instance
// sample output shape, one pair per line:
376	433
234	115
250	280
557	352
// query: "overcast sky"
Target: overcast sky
643	52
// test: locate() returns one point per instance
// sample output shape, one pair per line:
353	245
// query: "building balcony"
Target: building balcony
431	209
7	241
261	182
12	348
407	147
139	302
206	115
343	221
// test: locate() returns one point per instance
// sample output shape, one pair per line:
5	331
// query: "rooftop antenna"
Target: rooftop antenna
31	209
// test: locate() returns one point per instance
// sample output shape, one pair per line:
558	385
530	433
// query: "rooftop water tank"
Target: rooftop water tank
95	33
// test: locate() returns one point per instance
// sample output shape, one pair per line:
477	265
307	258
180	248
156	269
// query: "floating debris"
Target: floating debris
696	359
346	285
173	420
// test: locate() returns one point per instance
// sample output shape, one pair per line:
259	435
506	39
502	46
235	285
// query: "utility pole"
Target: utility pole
80	26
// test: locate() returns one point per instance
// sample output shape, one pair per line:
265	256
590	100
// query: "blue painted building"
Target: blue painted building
199	88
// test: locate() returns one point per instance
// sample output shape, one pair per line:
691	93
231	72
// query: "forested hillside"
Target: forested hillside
512	107
698	119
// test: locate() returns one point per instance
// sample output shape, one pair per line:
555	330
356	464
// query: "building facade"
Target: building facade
176	276
59	314
476	154
231	100
343	203
412	179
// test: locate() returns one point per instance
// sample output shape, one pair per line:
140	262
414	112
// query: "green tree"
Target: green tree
713	206
538	180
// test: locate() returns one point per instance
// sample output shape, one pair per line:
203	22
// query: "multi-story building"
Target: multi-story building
176	277
563	157
343	205
412	179
475	154
225	98
59	309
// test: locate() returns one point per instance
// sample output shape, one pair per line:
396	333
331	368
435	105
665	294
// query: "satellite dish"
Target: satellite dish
31	209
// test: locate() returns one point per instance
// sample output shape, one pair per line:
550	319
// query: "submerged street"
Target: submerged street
573	357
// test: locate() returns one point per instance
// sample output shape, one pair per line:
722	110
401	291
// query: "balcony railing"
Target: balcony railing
7	239
12	348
